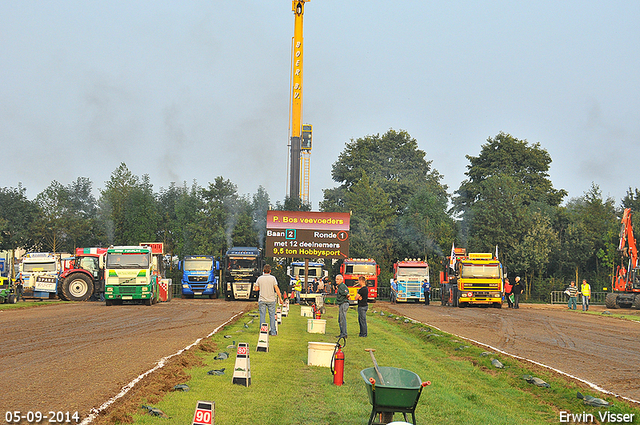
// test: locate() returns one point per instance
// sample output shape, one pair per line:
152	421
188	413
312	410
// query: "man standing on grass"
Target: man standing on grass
342	300
362	296
268	287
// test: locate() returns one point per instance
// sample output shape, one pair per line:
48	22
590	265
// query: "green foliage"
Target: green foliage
505	155
68	217
128	208
397	202
17	217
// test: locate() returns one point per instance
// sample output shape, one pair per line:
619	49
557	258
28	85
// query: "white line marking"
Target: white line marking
95	412
591	384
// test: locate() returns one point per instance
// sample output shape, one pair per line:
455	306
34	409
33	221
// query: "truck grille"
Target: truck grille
198	287
198	278
127	290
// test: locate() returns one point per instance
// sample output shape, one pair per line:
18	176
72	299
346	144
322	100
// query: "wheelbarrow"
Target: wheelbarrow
399	393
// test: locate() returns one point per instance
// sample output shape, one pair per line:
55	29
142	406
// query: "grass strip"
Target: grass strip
465	388
24	304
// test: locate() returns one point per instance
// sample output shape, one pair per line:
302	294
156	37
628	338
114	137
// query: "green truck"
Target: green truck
130	275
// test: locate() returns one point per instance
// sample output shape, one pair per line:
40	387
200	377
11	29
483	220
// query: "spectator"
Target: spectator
508	287
362	296
517	290
585	290
268	287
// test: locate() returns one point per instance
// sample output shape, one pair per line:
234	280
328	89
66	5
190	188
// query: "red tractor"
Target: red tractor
83	277
626	286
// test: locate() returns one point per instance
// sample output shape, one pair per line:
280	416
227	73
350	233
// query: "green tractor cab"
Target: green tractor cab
7	293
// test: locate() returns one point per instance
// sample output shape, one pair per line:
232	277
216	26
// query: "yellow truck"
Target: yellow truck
473	279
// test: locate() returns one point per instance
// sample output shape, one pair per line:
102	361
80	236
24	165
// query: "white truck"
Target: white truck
39	272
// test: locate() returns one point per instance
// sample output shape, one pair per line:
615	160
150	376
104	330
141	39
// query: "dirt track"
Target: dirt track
75	356
597	348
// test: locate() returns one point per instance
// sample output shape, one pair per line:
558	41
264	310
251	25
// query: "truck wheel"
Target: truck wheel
636	302
77	287
12	299
148	302
108	303
611	300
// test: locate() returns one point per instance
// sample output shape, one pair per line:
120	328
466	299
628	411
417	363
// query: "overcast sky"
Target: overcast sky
199	89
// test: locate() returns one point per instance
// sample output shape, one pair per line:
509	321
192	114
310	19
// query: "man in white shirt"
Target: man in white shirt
268	287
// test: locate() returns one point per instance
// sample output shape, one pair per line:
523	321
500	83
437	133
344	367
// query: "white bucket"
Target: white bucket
320	353
316	326
306	311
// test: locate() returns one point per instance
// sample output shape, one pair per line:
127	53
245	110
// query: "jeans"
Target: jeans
298	297
362	319
262	307
585	303
572	302
516	300
342	318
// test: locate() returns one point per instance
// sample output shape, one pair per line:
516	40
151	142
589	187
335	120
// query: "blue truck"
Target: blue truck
199	276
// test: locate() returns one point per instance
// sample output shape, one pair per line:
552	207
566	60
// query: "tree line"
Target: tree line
399	209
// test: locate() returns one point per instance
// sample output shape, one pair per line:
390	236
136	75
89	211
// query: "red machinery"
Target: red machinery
84	276
626	285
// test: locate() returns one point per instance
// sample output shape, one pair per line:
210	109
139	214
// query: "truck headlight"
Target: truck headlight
185	286
209	286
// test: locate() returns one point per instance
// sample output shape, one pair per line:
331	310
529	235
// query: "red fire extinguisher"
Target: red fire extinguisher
337	363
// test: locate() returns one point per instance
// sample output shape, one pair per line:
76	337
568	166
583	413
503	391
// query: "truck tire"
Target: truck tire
77	287
148	302
108	303
636	302
611	300
12	299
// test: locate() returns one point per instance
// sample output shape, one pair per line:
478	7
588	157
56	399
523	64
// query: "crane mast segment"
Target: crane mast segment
300	139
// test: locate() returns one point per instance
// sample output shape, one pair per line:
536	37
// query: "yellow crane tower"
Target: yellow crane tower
300	134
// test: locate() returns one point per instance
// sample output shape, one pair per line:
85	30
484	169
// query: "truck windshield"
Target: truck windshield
133	260
242	263
39	267
204	264
313	271
413	272
369	269
480	271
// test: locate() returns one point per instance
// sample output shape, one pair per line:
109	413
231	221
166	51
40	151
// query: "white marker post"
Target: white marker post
204	414
242	369
263	338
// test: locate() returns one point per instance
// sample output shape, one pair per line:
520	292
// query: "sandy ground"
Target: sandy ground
598	348
75	356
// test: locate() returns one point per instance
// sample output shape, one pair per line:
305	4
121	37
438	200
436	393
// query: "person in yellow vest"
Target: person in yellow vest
297	288
585	290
